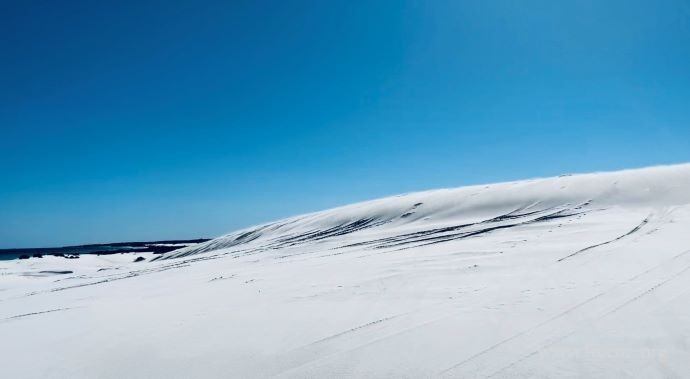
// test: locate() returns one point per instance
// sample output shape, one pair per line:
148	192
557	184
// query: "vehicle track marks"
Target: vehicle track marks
634	230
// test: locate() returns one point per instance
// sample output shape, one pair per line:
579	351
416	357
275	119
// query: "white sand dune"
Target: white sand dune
574	276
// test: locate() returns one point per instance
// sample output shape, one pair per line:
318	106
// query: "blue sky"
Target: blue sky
154	120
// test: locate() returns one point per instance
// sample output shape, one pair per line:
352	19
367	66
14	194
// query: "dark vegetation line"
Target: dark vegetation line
98	249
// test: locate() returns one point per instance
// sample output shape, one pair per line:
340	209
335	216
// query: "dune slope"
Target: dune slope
578	275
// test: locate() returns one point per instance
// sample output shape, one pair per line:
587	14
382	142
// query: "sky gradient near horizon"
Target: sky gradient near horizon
146	120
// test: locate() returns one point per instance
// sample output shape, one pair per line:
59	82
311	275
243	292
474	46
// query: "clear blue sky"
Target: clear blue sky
151	120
